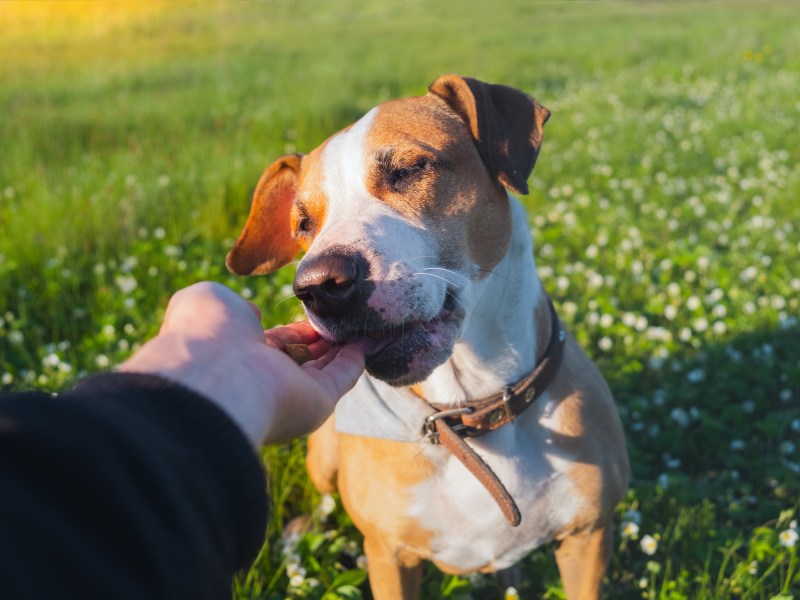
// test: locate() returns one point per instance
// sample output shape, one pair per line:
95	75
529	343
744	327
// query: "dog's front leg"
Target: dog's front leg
392	574
582	560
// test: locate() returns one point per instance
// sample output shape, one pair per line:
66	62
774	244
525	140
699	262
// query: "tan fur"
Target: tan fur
457	199
582	561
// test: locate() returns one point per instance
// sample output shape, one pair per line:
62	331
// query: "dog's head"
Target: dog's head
400	216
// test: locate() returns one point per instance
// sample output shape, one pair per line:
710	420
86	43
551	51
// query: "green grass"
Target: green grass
664	207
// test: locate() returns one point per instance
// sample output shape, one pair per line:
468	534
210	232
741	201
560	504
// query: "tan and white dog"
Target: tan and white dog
411	241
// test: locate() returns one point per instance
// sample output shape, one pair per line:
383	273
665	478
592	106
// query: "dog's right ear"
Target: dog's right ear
266	242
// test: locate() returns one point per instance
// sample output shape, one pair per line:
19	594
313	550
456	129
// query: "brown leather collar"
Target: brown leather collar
449	426
479	417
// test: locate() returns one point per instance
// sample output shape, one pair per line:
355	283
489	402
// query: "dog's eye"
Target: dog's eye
305	225
399	177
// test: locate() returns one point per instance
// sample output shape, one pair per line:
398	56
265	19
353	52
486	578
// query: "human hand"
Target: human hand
212	341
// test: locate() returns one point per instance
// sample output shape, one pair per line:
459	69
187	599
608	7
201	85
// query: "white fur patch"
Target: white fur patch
469	530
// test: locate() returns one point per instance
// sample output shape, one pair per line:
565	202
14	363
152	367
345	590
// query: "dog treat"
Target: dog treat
299	352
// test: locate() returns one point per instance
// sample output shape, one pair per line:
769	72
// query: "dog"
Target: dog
480	430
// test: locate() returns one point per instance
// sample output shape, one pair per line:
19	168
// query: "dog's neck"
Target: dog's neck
501	336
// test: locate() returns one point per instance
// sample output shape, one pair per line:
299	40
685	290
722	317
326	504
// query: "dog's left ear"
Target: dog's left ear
505	123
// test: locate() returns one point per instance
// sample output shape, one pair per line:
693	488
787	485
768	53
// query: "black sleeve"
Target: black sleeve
128	486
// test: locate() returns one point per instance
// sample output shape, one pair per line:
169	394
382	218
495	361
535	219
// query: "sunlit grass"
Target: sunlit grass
664	209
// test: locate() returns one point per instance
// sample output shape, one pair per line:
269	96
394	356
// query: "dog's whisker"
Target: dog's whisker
495	273
285	300
464	277
437	277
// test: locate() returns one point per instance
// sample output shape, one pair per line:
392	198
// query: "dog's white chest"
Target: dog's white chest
469	530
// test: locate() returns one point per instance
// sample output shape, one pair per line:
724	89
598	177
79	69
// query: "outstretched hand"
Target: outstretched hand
212	341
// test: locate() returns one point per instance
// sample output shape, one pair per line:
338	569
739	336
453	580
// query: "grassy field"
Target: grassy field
665	207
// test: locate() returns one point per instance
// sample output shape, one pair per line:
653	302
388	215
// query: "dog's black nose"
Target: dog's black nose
329	284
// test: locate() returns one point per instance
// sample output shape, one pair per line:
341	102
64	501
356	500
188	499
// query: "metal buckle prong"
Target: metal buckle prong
506	398
429	428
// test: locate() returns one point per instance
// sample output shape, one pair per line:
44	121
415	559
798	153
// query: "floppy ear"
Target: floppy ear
266	242
505	123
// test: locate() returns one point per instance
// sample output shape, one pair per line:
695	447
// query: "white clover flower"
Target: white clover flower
172	251
64	367
693	303
101	360
606	320
700	325
15	337
788	538
129	303
351	548
649	545
778	302
51	361
685	334
605	343
643	583
126	283
630	529
753	568
152	271
511	593
129	264
159	233
361	562
163	180
7	378
785	395
696	375
680	416
108	330
719	328
327	505
296	581
293	568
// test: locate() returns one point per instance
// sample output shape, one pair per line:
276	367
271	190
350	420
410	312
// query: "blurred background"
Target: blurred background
664	207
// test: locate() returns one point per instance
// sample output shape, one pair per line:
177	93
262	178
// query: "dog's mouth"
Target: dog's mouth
376	340
402	354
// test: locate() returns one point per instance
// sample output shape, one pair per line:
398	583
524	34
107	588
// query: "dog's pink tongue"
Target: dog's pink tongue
371	346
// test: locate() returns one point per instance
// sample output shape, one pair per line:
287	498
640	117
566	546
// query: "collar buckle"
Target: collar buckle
429	427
